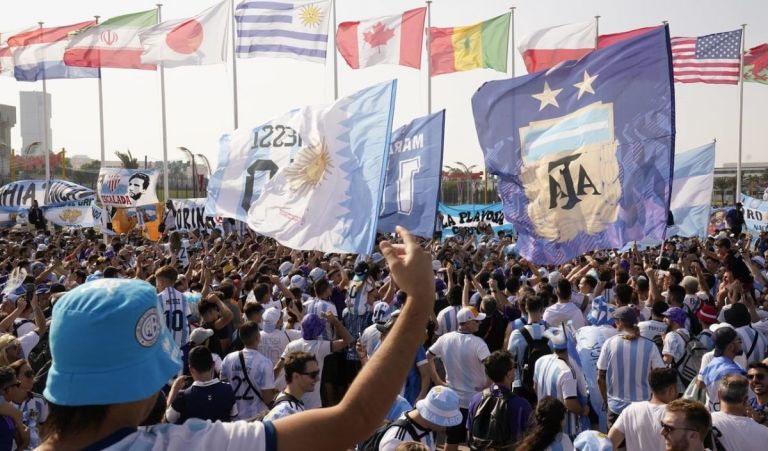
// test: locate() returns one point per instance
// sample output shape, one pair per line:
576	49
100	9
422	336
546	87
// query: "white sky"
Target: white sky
199	99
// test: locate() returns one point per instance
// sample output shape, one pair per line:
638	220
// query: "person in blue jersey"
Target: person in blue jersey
546	433
175	305
624	362
727	348
553	376
532	329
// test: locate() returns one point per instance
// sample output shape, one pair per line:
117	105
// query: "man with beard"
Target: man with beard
685	425
757	374
137	185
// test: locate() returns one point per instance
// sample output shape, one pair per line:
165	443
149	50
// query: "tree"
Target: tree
723	184
128	160
467	171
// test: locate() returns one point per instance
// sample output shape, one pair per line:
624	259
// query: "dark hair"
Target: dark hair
249	333
676	295
497	365
733	389
512	285
205	307
167	273
320	286
141	176
200	359
623	293
675	276
659	307
296	362
252	308
696	415
564	288
227	289
534	303
261	291
622	276
110	272
454	295
642	284
757	366
589	280
64	421
661	378
7	374
548	419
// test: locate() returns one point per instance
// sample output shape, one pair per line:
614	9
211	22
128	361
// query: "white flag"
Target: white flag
199	40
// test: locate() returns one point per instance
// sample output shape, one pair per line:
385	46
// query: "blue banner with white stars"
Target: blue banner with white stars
585	150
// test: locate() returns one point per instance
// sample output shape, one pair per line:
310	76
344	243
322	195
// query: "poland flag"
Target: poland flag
547	47
391	39
189	42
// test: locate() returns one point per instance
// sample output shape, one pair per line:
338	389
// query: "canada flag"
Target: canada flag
189	42
389	40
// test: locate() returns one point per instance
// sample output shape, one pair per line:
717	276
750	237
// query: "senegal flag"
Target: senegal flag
756	64
470	47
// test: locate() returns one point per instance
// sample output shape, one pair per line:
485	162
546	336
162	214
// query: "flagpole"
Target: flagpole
335	57
234	63
101	113
512	37
44	128
597	29
741	111
162	108
429	56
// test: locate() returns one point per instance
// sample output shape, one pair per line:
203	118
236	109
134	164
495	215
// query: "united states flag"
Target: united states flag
713	58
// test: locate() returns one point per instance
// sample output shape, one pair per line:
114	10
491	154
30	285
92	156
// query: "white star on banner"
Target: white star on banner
586	85
547	97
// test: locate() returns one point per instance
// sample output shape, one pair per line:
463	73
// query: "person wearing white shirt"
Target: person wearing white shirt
655	326
736	430
639	424
564	310
274	340
676	340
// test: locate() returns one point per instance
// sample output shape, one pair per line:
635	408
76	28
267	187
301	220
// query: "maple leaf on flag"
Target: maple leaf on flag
378	35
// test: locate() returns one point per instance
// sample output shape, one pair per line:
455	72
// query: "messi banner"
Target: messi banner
755	214
71	214
584	151
127	187
413	176
188	214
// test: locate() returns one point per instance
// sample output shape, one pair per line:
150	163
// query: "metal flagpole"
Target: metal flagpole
429	56
335	57
512	37
234	62
597	29
162	108
741	111
44	128
101	113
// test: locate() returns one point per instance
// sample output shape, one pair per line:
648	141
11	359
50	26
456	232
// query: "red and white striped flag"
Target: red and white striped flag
713	58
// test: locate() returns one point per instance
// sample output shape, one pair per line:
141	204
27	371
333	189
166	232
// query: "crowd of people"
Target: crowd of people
218	340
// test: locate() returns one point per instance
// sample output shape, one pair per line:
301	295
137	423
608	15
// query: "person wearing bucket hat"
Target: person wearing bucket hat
371	336
436	412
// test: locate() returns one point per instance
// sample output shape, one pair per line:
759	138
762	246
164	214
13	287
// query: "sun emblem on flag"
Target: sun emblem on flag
70	215
311	16
309	168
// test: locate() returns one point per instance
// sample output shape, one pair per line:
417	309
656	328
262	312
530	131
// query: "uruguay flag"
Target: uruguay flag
692	191
39	54
584	150
329	196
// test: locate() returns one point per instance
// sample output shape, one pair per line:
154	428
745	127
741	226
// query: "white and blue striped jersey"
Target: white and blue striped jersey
370	339
553	377
517	347
627	363
176	310
261	374
319	307
748	336
357	300
561	443
446	320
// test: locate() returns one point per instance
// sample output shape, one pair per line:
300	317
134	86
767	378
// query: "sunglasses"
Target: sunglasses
668	428
757	377
312	374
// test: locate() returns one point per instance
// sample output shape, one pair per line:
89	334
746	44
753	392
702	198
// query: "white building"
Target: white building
33	123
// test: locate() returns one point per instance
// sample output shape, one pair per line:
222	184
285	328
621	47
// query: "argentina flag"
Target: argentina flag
692	191
584	151
282	30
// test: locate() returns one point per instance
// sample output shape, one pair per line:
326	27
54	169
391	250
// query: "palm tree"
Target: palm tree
467	170
722	184
751	182
128	160
453	170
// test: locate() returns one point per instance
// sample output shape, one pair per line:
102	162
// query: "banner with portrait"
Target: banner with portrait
127	187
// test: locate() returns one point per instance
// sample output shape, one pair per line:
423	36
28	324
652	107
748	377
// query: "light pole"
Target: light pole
194	170
207	164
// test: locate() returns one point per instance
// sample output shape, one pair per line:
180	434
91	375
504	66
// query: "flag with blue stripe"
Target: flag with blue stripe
413	176
584	151
282	30
692	191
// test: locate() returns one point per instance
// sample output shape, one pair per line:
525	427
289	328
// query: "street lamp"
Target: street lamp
207	166
194	170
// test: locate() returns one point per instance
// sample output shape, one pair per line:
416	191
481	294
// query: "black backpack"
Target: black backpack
534	350
373	442
694	320
491	428
659	341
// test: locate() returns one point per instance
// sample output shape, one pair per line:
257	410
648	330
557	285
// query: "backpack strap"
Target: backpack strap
408	424
754	343
526	335
248	378
682	359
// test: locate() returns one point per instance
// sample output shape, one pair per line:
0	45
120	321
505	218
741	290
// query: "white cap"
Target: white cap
467	314
269	319
199	335
285	268
317	274
436	265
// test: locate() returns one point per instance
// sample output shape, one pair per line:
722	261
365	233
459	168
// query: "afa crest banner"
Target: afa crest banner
127	187
584	151
71	214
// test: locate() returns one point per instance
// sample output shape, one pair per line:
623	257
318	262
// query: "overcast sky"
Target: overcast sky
199	99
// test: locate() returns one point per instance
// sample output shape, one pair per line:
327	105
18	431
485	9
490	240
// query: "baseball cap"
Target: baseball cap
440	407
381	312
436	265
317	274
269	319
592	441
109	345
722	337
467	314
199	335
285	268
626	314
298	281
676	314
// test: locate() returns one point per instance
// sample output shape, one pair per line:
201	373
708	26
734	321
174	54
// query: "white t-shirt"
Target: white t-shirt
261	374
462	354
740	433
28	342
272	344
553	377
396	435
640	423
560	313
652	328
321	349
748	336
562	443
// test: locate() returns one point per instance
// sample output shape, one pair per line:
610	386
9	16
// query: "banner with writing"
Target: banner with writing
464	219
71	214
189	214
127	187
755	214
20	194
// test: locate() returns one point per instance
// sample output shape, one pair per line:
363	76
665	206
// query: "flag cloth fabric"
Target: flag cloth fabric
583	152
282	30
328	198
755	213
127	187
195	41
692	191
713	58
6	52
547	47
481	45
756	64
391	39
112	43
39	54
413	176
604	40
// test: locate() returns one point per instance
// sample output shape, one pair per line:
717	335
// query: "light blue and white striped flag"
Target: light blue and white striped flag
692	191
283	30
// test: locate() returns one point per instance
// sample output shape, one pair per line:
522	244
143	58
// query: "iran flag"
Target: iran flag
547	47
189	42
390	39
